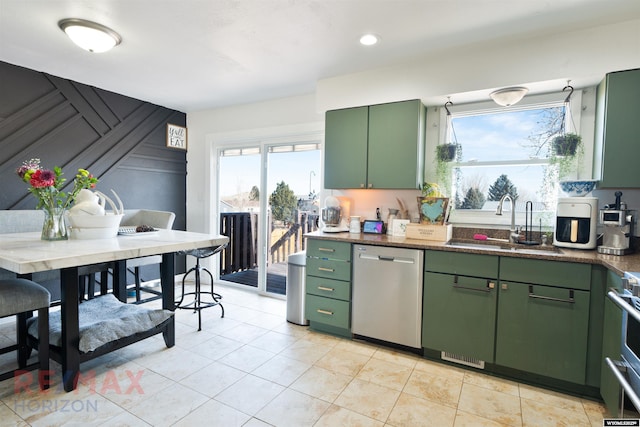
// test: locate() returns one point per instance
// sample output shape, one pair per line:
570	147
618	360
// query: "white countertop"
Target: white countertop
25	253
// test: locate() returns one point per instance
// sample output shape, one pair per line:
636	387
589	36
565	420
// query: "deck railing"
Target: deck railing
241	252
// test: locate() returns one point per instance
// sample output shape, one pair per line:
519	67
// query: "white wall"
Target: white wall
468	74
235	123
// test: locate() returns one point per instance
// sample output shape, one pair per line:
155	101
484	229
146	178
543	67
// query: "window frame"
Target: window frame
475	217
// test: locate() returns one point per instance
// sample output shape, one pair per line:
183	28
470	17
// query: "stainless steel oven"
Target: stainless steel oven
627	370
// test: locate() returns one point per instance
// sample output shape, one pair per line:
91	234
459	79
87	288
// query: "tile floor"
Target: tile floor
252	368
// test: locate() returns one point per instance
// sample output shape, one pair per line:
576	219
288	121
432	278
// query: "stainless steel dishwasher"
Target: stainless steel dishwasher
387	294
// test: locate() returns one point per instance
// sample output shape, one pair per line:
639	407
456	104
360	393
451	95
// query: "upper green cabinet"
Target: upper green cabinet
379	146
618	130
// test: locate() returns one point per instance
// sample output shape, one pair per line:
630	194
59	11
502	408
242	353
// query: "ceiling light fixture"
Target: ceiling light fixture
369	39
509	96
89	35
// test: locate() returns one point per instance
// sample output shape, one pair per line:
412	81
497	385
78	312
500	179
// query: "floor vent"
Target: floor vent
463	360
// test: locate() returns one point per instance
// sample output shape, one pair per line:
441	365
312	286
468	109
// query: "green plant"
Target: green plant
446	156
566	154
447	152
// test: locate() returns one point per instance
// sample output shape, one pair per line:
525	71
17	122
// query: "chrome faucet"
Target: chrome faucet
514	236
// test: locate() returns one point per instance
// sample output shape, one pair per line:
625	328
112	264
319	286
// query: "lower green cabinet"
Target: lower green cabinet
543	330
459	315
328	286
328	311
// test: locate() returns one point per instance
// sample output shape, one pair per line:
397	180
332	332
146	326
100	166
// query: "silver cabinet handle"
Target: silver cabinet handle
570	300
328	313
331	270
324	288
490	285
326	250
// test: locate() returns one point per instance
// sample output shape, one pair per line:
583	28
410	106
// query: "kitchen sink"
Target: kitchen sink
486	246
507	247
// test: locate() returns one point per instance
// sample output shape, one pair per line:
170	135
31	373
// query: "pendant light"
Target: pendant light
90	35
509	96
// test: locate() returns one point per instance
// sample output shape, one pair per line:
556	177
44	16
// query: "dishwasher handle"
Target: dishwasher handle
387	258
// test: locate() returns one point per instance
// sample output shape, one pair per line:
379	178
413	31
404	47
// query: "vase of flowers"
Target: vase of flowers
46	185
54	227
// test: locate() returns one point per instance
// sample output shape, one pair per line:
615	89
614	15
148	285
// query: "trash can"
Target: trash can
296	266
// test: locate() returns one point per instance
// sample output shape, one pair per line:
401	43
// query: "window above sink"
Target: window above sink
498	149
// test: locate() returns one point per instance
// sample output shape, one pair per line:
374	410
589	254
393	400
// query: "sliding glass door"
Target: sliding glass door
267	199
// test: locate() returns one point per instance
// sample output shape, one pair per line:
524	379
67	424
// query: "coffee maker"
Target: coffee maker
576	220
619	225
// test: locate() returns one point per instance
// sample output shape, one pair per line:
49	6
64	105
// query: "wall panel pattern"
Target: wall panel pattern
119	139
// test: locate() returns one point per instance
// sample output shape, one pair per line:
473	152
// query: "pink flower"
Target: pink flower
42	178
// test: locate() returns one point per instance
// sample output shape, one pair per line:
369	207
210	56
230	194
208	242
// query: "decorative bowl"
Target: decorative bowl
94	226
578	188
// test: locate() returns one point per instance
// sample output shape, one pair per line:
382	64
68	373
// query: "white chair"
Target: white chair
155	219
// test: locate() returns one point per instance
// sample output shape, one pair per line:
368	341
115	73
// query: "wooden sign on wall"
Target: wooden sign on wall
176	136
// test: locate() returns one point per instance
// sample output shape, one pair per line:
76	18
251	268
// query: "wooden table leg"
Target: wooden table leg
167	283
70	327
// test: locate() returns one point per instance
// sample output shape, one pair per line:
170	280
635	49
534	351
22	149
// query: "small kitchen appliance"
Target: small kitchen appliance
576	220
333	216
619	224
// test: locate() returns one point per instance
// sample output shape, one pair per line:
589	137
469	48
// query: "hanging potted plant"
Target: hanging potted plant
447	152
446	156
567	144
566	154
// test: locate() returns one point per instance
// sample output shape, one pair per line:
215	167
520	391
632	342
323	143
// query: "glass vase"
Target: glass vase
54	227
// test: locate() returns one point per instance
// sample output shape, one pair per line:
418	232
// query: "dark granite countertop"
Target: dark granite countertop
618	264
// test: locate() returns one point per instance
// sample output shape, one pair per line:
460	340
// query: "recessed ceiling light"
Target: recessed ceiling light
369	39
89	35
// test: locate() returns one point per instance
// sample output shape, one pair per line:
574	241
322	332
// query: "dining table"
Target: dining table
26	253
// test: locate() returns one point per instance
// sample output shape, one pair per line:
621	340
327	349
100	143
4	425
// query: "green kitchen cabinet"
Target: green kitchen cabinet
543	319
378	146
328	286
459	310
345	148
611	347
617	130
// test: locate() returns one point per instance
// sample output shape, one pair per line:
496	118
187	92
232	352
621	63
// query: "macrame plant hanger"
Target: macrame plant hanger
567	107
453	139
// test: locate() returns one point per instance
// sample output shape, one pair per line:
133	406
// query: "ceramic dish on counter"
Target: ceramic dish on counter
578	188
135	231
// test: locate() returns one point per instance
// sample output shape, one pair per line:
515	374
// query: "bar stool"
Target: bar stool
197	305
20	297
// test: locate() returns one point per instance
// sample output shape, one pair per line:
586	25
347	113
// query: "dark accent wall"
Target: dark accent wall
119	139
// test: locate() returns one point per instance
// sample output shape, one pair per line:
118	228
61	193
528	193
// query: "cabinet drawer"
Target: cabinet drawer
328	311
543	272
337	289
328	249
461	263
329	269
